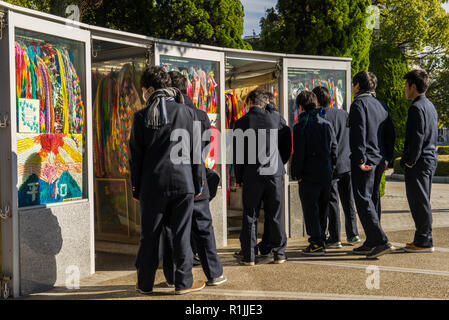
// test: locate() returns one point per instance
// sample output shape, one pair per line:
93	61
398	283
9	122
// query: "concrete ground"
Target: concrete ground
338	275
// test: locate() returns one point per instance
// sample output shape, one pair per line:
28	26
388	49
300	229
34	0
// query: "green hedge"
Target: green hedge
382	185
442	168
443	150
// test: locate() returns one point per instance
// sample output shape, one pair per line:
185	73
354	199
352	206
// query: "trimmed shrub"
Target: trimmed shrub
443	150
390	65
442	168
382	185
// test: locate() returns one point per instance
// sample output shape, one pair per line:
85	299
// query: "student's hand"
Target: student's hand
196	196
137	200
386	165
365	168
299	180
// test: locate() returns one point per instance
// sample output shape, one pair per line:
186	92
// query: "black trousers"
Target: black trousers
268	190
174	214
341	187
315	207
366	188
418	185
204	238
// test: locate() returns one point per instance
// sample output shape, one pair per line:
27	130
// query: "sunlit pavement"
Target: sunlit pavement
337	275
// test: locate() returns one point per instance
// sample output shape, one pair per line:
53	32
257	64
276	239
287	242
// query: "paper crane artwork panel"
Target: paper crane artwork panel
50	168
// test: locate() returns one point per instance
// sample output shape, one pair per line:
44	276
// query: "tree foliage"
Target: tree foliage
438	92
319	27
212	22
412	33
58	7
419	28
389	64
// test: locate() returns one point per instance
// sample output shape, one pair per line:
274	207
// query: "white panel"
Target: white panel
188	52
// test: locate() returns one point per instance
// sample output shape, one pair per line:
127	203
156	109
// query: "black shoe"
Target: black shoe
362	250
280	258
262	253
314	250
143	291
239	254
196	260
380	250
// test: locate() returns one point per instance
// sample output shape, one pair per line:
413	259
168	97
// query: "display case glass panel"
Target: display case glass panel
116	73
300	79
51	118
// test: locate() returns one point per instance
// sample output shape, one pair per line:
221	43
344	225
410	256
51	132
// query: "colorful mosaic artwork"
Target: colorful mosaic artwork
50	168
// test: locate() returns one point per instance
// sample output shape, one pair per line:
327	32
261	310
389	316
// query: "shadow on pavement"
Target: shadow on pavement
98	292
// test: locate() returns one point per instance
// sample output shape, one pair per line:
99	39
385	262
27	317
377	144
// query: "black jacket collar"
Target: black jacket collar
420	97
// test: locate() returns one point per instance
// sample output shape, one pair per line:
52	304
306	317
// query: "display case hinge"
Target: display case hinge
94	52
2	23
4	121
5	212
5	291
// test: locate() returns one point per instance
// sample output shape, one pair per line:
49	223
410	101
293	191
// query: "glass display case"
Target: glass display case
244	75
46	175
51	118
116	73
300	79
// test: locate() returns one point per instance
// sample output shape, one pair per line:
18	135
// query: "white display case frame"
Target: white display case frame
11	226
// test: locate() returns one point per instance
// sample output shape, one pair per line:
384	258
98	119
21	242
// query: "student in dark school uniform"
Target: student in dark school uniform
164	187
341	181
202	236
259	170
420	158
285	150
371	138
313	163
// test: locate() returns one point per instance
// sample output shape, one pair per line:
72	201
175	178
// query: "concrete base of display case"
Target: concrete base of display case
219	219
54	245
295	211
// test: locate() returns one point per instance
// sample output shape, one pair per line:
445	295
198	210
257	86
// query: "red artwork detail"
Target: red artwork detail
50	143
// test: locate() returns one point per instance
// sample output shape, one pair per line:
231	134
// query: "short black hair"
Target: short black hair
258	97
271	98
323	95
420	78
155	77
367	80
178	80
307	100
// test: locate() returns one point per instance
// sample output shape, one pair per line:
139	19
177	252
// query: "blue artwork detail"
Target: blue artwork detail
35	191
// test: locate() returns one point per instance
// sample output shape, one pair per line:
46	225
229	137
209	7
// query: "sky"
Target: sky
446	6
255	9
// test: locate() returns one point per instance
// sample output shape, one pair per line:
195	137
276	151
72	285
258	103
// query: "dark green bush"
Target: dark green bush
382	185
443	150
442	168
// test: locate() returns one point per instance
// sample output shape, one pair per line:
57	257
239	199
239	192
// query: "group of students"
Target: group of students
336	155
341	155
174	196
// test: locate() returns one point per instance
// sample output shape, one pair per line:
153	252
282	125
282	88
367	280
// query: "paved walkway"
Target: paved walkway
338	275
